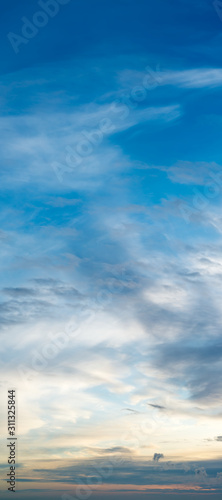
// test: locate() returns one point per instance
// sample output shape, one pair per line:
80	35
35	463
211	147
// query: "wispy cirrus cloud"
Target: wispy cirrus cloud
195	78
109	243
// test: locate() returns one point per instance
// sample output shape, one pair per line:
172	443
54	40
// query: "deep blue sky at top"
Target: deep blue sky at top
79	54
115	222
74	61
170	29
119	34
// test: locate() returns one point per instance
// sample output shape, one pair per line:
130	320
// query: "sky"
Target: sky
111	239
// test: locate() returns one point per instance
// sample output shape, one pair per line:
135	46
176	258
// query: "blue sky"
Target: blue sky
111	194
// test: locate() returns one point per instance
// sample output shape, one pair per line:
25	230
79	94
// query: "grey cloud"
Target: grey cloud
131	411
46	298
17	292
157	406
201	471
157	457
182	361
117	449
131	471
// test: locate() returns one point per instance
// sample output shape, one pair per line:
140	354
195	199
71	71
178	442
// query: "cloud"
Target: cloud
201	472
157	457
157	406
195	78
116	449
131	411
106	254
19	292
39	301
110	240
